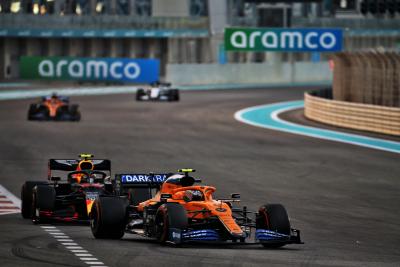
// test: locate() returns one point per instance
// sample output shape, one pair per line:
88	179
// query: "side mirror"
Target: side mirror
235	196
55	178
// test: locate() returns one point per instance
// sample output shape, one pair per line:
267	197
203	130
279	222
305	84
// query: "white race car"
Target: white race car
157	92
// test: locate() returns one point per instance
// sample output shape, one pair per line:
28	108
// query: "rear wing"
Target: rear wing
129	180
70	165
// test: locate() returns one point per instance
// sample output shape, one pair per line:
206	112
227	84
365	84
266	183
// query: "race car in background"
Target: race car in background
71	198
54	107
171	208
157	92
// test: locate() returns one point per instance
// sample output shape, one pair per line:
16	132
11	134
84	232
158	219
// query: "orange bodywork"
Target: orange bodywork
53	104
197	209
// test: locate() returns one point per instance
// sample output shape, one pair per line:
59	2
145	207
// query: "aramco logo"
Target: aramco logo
92	69
89	69
279	39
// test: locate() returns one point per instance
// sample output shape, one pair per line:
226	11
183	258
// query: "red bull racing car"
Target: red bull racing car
68	199
55	108
174	209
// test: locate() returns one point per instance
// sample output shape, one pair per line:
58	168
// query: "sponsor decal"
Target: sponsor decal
82	69
92	195
143	178
283	39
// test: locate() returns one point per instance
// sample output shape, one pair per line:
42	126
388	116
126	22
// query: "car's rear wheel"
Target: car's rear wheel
273	217
169	215
174	95
43	199
108	218
26	197
74	112
32	111
139	94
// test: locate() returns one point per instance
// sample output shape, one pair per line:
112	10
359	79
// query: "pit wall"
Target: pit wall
249	73
357	116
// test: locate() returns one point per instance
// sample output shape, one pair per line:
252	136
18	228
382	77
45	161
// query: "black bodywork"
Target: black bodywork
65	199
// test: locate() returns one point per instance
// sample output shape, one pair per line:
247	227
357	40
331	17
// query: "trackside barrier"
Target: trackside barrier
367	77
320	107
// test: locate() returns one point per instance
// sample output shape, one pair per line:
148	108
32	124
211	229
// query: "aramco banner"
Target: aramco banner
90	69
283	39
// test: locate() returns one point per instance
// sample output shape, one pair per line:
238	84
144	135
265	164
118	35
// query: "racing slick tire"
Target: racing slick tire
273	217
174	95
38	112
108	217
137	195
26	197
74	112
32	111
169	215
139	94
44	198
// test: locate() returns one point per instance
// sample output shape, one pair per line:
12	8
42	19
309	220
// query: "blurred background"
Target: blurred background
187	35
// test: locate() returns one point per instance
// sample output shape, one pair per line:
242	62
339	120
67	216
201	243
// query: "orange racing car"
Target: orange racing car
54	107
171	208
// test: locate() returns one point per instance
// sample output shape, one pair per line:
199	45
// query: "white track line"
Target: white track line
74	247
79	251
8	200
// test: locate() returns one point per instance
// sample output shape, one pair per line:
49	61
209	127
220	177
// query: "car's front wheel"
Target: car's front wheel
26	197
273	217
108	218
169	215
43	199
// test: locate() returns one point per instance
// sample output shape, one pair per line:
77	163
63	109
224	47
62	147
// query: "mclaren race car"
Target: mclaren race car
69	199
157	92
172	209
54	107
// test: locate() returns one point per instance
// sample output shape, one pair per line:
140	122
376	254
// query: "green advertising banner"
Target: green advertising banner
283	39
90	69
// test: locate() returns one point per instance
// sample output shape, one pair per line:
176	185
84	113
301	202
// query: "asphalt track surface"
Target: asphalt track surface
344	198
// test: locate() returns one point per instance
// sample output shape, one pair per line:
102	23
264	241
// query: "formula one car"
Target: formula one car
170	208
54	107
70	199
158	92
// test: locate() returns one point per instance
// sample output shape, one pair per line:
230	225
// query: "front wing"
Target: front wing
262	236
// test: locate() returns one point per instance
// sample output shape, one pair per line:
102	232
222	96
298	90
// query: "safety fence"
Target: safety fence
367	77
320	106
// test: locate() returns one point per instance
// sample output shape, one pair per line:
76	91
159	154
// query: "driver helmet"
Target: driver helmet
53	97
193	195
83	165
